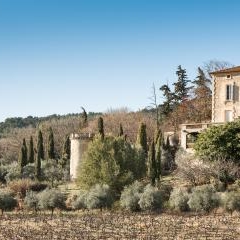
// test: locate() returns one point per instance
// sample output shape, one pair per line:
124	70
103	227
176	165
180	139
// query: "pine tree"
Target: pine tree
31	151
51	151
167	105
120	130
40	155
23	156
202	97
152	166
142	137
181	91
101	127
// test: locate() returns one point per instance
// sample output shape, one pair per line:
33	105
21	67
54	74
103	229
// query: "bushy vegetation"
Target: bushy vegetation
179	199
203	198
231	201
150	199
50	199
111	161
220	142
130	196
136	197
7	201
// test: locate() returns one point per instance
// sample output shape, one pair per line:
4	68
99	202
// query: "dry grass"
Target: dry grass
107	225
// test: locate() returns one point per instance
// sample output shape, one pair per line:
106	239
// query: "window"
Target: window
229	92
229	76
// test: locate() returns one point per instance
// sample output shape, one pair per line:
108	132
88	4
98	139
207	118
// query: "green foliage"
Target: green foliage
7	201
31	151
130	196
203	198
142	137
80	201
29	171
111	161
50	199
159	141
152	166
181	90
66	149
99	196
220	142
179	199
31	200
40	155
50	147
231	201
150	199
12	172
101	127
22	160
52	172
120	130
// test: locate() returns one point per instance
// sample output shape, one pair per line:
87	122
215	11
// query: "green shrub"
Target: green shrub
130	196
51	199
7	201
99	196
13	172
28	171
231	201
220	142
203	198
150	199
31	200
80	201
179	199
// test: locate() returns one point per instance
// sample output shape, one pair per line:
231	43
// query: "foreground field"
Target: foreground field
96	225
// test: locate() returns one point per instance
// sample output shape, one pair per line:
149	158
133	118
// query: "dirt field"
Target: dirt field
97	225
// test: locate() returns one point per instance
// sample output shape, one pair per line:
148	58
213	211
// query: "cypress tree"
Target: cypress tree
152	167
158	155
51	151
40	155
142	137
65	152
66	148
101	127
120	130
31	151
84	119
22	160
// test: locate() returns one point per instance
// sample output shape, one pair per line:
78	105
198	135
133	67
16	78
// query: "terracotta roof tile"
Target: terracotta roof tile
227	70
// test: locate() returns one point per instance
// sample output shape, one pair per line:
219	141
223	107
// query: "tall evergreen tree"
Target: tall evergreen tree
31	151
101	127
152	166
66	148
202	97
142	137
40	155
181	90
120	130
51	150
22	160
84	119
159	154
167	105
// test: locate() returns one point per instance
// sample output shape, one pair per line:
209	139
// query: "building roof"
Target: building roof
227	70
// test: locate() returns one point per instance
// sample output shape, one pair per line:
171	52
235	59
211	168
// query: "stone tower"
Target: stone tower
79	144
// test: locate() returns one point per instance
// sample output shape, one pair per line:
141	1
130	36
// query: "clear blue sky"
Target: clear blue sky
58	55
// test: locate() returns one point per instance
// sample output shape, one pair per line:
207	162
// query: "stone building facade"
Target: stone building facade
225	105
